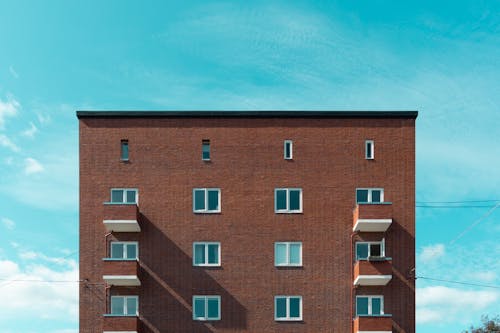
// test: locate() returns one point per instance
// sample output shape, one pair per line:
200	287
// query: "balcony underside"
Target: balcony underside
372	225
372	280
122	225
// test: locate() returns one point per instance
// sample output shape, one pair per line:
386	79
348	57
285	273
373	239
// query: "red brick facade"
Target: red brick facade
247	164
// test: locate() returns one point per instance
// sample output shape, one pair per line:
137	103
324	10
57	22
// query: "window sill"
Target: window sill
207	212
120	315
288	320
120	259
120	203
206	319
374	203
288	212
372	316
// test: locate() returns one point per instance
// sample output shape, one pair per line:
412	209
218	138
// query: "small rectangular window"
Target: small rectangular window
124	250
288	254
369	149
205	150
288	150
365	250
124	195
206	307
369	195
124	150
369	305
125	305
288	200
287	308
206	254
206	200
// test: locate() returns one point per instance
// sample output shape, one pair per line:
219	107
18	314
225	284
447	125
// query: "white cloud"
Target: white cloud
32	166
6	142
8	223
437	304
483	276
431	253
31	131
13	72
42	300
43	118
8	108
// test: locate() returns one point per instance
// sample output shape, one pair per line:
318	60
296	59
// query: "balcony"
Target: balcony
372	217
121	272
115	324
121	217
373	272
379	324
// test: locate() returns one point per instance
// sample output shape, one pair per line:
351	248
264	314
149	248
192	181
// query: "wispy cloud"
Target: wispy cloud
8	223
31	131
431	253
7	143
32	166
8	108
13	72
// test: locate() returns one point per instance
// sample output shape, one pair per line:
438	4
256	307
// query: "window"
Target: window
369	149
369	305
206	200
124	305
288	200
206	254
124	195
288	254
124	150
369	195
365	250
288	308
288	150
205	150
206	307
124	250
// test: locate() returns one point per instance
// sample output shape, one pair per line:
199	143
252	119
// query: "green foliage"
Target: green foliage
488	326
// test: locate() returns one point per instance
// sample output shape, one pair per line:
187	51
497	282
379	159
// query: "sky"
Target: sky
438	57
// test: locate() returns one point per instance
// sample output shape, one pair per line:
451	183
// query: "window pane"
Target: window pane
295	254
213	308
288	149
294	200
294	307
281	200
131	196
361	196
199	200
213	200
213	254
131	251
205	150
116	250
376	196
117	304
199	254
124	150
375	250
376	306
199	307
116	195
362	305
280	307
131	305
368	150
280	254
361	251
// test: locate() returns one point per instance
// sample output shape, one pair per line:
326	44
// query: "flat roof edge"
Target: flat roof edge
248	114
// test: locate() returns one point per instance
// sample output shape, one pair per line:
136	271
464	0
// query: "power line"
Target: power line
459	282
451	206
488	213
454	202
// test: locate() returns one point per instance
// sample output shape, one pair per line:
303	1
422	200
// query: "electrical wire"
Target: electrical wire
459	282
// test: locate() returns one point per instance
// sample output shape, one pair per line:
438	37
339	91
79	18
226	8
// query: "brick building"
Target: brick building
268	221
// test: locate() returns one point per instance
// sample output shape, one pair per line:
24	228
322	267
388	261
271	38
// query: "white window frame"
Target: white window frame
287	210
205	263
382	248
285	143
287	264
124	244
370	190
206	210
372	144
125	297
206	298
287	318
205	142
125	190
370	297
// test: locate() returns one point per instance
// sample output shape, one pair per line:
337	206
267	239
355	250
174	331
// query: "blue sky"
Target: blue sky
438	57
